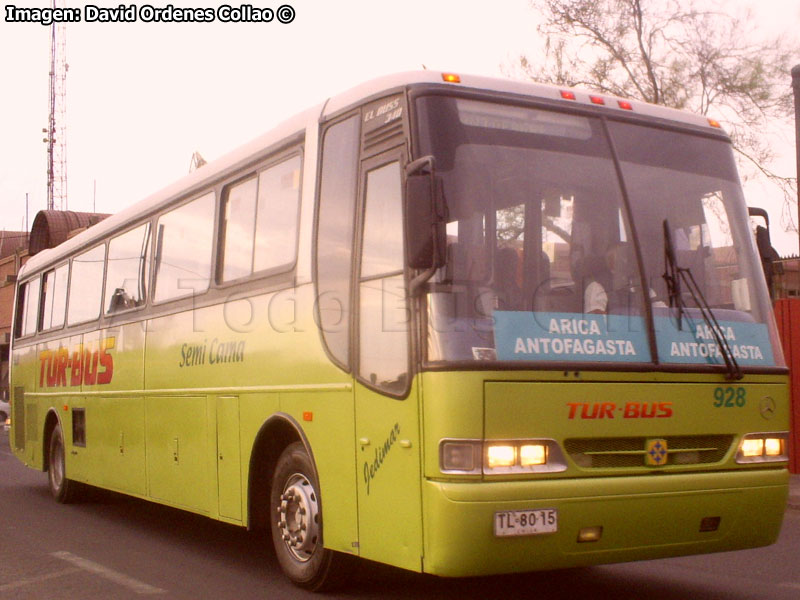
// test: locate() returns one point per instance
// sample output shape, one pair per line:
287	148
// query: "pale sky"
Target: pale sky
142	97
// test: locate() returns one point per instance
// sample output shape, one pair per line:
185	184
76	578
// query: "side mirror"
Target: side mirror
425	221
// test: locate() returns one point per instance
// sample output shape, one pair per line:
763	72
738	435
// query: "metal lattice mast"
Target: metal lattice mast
56	139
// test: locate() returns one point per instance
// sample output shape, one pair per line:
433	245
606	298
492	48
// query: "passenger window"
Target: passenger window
28	308
239	216
278	209
55	297
335	236
183	249
86	286
383	316
260	221
128	269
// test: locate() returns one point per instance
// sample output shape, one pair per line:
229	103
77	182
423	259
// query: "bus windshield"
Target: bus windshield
556	241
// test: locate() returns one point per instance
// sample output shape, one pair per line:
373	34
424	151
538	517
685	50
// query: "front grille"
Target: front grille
384	135
617	453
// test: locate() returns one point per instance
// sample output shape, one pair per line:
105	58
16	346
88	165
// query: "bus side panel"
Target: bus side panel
327	420
25	426
176	438
112	451
53	379
228	457
178	426
286	352
254	356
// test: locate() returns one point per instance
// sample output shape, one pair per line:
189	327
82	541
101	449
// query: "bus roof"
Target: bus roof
262	145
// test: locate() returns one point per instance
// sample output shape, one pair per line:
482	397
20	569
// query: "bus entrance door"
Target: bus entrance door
387	411
388	472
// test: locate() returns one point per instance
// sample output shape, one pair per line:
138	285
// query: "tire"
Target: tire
296	525
63	490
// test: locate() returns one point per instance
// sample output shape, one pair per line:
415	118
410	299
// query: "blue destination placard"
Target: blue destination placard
570	337
695	343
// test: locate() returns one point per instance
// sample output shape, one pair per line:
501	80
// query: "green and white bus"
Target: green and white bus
454	324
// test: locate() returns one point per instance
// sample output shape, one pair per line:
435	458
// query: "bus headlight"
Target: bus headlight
460	456
503	457
531	455
763	447
500	457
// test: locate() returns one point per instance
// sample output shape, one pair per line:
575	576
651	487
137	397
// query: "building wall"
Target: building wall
786	278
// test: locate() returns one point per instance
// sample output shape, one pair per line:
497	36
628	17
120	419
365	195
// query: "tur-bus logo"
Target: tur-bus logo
81	366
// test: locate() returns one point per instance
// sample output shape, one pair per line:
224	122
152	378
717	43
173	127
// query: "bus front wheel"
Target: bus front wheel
296	524
62	489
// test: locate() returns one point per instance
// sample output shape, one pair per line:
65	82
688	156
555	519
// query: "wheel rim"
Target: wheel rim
56	464
298	517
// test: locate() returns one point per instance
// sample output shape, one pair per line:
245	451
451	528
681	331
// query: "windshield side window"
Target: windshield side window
335	229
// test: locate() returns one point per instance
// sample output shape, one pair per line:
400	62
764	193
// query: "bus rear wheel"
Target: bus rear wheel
296	525
62	489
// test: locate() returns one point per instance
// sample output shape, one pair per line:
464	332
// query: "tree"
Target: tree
672	53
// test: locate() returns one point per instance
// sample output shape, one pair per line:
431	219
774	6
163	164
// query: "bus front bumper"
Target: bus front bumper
642	517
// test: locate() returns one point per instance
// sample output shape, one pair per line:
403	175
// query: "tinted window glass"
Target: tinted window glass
335	235
260	221
278	207
55	297
183	255
126	278
383	222
28	306
240	214
86	286
383	318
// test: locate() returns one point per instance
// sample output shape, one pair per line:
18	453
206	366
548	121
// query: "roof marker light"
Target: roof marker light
597	100
567	95
714	123
451	77
625	105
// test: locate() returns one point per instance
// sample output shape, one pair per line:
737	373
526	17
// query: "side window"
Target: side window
278	210
336	215
259	228
28	307
86	285
383	316
128	268
54	297
183	249
239	214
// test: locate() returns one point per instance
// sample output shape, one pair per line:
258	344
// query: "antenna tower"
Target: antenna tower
56	131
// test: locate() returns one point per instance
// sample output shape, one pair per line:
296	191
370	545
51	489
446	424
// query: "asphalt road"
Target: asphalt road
112	546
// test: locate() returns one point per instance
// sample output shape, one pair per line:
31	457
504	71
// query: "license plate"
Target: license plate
525	522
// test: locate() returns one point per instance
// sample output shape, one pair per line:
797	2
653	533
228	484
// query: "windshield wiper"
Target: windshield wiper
674	275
